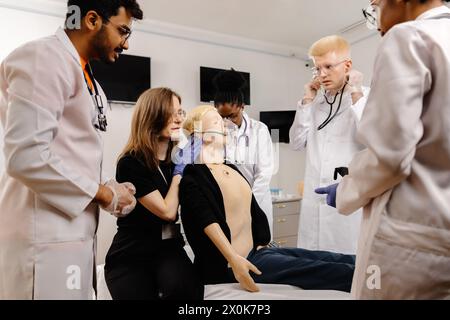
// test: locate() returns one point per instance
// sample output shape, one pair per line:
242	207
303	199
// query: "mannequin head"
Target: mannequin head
205	123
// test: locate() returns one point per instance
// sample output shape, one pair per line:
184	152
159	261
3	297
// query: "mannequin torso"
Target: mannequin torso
237	197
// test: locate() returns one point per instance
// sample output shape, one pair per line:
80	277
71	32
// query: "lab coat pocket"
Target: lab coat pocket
398	272
412	261
52	225
344	127
64	271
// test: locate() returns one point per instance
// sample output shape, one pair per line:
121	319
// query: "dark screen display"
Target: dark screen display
207	89
126	79
281	120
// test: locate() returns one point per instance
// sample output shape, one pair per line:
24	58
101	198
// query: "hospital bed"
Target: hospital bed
232	291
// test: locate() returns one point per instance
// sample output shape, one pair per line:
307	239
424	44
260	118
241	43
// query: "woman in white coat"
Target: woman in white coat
325	124
249	146
52	188
403	178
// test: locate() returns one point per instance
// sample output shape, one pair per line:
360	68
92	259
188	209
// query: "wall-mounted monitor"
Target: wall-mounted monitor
207	89
126	79
281	120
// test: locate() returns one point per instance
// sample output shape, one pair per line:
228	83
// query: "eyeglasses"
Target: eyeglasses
371	16
124	32
317	71
180	113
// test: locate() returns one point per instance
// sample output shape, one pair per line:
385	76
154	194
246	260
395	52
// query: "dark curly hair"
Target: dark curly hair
229	85
107	8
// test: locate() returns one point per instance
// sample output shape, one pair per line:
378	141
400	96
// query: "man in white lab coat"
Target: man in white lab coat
403	178
325	124
249	145
53	185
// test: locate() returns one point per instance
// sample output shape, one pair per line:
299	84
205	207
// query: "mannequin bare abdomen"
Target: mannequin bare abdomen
237	197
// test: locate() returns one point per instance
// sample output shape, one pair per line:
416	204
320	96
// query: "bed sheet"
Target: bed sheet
232	291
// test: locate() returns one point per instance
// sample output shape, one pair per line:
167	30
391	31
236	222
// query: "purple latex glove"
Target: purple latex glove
187	155
330	191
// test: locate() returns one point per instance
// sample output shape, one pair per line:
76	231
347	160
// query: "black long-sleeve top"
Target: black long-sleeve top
202	205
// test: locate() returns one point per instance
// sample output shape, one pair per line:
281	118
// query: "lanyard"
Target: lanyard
164	177
102	123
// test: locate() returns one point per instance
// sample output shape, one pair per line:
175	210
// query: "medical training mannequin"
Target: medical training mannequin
225	225
325	125
250	146
403	178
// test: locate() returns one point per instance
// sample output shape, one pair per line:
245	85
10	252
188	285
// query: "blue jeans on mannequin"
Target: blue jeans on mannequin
313	270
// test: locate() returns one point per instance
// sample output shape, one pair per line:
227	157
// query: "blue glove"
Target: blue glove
330	191
186	155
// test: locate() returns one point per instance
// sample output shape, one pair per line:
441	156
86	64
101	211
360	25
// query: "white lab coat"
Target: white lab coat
255	161
2	159
53	157
403	179
321	227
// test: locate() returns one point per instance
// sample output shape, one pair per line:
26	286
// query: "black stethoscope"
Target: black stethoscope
102	123
331	104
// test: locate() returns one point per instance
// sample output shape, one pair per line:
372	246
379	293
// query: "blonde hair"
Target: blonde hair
332	43
152	114
194	118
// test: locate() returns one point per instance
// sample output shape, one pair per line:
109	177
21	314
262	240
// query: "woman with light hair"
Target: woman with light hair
325	125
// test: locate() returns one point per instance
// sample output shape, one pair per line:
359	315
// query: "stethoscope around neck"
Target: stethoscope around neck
331	104
237	142
244	135
97	99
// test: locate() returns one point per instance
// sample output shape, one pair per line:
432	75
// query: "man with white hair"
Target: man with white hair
325	124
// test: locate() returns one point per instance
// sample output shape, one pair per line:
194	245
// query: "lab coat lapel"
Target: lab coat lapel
68	45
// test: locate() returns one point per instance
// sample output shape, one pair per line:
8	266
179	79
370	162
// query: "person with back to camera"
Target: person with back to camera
402	180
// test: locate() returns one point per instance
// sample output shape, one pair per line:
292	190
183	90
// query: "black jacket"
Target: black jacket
202	205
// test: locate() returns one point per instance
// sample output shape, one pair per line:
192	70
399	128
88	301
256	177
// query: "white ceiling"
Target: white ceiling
288	22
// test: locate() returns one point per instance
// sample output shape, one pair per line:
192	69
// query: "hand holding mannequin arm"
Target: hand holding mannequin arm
240	265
